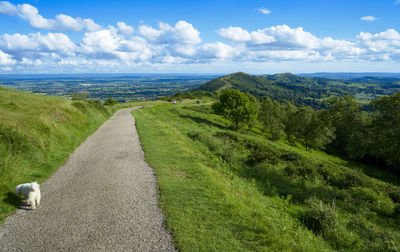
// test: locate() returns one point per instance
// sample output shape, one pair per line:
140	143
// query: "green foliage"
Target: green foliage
319	217
308	127
318	197
37	133
110	102
238	107
345	116
273	116
386	130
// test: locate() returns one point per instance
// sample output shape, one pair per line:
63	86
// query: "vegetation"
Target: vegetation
237	190
309	91
267	186
110	102
37	133
238	107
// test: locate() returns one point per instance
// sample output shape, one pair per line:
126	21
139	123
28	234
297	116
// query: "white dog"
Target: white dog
30	192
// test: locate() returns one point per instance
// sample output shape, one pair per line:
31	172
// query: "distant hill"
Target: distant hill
303	90
347	76
286	86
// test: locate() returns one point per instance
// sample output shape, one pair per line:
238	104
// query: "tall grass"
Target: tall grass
227	190
37	134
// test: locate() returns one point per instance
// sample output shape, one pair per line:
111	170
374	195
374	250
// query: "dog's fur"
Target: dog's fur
30	192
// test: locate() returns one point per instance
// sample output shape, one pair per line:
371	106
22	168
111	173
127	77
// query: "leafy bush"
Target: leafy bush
110	102
394	194
396	211
262	153
319	217
79	105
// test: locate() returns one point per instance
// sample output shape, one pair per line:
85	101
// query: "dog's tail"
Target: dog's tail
35	186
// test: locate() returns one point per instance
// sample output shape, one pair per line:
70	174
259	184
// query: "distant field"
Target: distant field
122	88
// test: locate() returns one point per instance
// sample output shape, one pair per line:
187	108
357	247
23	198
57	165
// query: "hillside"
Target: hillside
312	91
239	191
37	133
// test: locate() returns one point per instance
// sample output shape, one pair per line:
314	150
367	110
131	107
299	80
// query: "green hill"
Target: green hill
223	190
37	134
311	91
300	90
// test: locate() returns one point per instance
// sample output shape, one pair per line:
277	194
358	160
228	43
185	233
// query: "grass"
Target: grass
238	191
37	134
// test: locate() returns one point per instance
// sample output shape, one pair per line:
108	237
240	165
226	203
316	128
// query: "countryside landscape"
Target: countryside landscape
152	138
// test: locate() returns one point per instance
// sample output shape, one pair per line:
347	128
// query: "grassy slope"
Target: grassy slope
37	134
208	207
223	190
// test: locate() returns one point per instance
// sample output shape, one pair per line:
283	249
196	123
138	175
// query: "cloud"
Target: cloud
381	46
235	34
124	28
35	44
6	59
369	18
61	22
264	11
181	33
175	45
274	36
397	2
217	50
8	9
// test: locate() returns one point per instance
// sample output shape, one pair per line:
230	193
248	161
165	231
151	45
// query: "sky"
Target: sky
206	37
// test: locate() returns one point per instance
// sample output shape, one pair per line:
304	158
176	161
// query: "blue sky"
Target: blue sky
219	36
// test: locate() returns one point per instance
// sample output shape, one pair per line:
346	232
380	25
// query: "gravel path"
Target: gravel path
104	198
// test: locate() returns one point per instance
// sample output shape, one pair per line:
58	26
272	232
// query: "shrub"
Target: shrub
96	104
320	217
79	105
396	211
394	194
110	102
364	194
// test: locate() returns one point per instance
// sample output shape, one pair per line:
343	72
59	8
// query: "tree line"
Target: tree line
365	133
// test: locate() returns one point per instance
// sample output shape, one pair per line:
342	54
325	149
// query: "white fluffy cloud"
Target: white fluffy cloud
218	50
181	33
264	11
381	46
60	22
124	28
176	44
369	18
282	42
6	59
35	44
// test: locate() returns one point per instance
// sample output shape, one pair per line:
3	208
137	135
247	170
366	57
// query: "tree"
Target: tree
317	133
349	122
272	116
386	130
290	124
307	127
236	106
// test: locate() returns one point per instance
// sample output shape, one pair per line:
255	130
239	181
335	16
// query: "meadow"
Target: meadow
238	191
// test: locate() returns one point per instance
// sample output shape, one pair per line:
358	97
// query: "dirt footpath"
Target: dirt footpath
103	199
